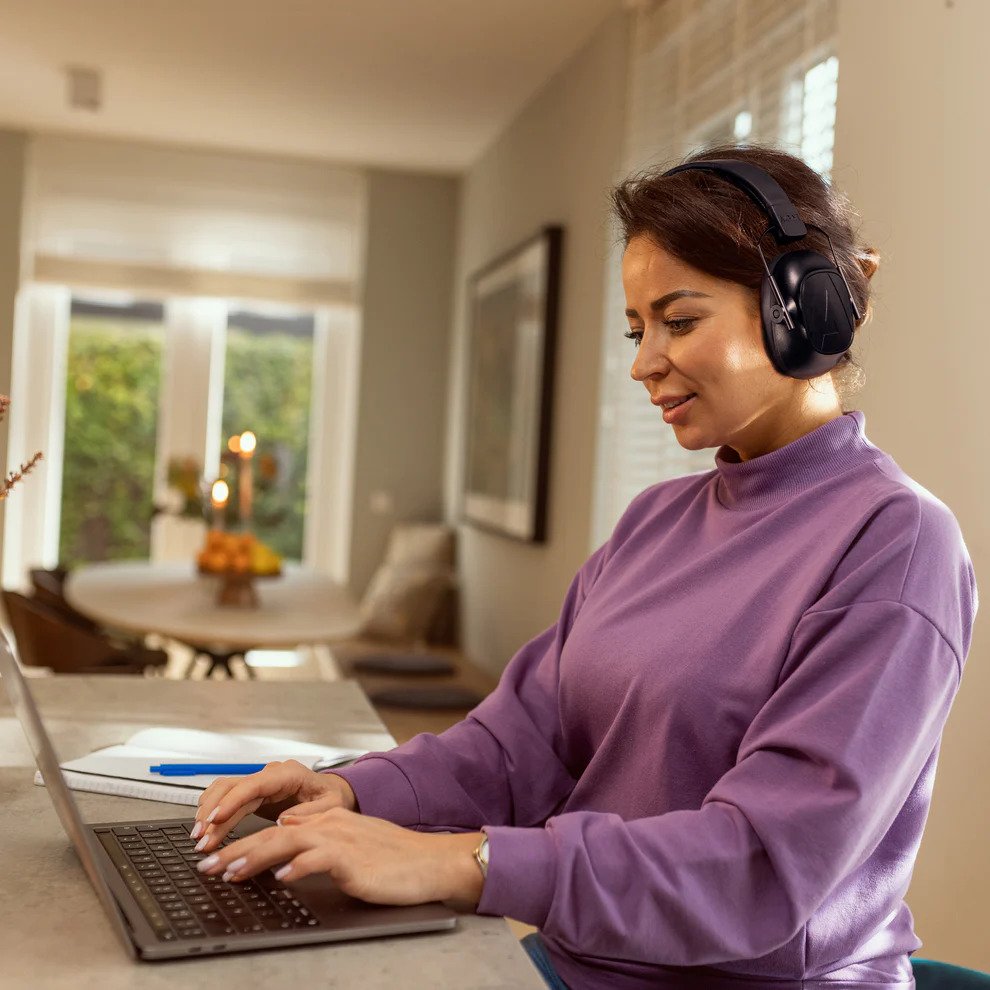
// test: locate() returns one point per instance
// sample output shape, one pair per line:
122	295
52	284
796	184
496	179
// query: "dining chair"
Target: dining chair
46	638
48	587
932	975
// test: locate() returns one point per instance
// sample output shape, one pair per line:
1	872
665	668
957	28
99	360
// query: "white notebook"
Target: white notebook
123	769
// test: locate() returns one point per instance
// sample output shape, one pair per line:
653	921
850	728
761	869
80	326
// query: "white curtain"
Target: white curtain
142	217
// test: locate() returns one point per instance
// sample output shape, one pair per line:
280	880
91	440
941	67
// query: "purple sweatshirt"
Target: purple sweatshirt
714	769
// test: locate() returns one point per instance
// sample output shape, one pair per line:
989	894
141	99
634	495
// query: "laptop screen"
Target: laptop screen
27	712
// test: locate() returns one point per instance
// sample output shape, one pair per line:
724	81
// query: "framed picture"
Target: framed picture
513	306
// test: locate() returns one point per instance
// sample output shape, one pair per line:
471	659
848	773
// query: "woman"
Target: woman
715	768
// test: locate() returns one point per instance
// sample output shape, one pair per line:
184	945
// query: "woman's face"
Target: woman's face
698	333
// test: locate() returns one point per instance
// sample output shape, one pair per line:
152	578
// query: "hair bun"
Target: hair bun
869	261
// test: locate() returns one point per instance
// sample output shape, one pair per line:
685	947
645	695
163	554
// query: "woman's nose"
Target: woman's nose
649	359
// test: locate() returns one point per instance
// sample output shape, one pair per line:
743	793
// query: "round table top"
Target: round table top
172	599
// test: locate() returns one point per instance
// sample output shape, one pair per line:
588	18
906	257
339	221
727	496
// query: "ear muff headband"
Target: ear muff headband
786	223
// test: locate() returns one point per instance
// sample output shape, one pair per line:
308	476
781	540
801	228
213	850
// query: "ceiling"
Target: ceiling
415	84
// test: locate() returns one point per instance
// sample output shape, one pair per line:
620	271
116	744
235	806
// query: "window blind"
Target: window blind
180	221
702	71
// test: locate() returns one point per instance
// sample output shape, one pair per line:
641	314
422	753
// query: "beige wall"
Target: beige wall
13	146
554	163
405	341
911	146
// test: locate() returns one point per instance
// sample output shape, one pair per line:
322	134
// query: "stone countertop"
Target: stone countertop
53	931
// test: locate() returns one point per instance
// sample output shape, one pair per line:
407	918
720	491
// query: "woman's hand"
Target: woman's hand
367	858
279	787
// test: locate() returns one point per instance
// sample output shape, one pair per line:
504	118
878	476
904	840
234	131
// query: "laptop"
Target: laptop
144	874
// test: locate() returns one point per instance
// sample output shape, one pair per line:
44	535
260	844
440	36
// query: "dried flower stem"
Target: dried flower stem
16	476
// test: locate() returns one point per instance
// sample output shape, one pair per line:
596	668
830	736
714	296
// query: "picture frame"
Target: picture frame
513	305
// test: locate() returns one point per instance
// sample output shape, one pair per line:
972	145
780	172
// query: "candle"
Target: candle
219	494
246	445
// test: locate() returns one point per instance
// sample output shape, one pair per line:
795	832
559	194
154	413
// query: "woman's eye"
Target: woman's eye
677	327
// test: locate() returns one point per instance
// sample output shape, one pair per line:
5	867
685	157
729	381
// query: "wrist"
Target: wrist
464	880
347	796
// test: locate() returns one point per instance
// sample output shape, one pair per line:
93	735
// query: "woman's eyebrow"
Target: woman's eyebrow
670	297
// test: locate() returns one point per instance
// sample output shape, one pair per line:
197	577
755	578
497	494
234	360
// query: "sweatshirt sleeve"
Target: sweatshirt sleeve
820	775
503	764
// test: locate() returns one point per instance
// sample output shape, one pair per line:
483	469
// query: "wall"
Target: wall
911	141
553	164
409	270
13	146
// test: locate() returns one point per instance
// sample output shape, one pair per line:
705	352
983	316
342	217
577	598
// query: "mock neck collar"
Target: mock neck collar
832	448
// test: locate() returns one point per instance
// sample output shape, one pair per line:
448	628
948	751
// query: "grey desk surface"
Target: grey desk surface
53	932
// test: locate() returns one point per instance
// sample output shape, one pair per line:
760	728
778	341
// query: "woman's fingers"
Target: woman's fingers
229	799
263	850
312	807
216	832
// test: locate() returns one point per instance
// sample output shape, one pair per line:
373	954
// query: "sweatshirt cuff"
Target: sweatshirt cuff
382	790
522	873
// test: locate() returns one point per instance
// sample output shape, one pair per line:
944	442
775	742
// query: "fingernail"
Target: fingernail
283	871
196	830
207	864
213	814
201	843
237	865
278	821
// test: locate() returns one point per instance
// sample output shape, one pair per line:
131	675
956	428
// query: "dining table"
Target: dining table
172	599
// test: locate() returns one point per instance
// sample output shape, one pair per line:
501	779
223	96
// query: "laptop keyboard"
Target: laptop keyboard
158	863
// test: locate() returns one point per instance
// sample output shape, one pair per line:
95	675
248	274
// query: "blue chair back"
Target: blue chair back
932	975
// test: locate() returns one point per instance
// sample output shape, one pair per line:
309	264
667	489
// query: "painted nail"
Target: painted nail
213	814
237	865
207	864
283	871
196	830
202	842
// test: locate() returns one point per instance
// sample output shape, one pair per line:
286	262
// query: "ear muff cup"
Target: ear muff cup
814	294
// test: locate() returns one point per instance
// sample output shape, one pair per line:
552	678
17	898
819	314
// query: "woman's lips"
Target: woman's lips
678	413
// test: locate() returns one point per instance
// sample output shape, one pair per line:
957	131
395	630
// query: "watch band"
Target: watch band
481	857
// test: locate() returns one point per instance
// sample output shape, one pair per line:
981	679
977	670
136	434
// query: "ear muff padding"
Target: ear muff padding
813	294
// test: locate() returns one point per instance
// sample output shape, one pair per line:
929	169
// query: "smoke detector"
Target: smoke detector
84	87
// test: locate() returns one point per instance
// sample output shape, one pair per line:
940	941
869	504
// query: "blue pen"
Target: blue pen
194	769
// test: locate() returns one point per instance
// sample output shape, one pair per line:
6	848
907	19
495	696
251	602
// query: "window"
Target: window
134	403
111	419
267	389
703	71
194	228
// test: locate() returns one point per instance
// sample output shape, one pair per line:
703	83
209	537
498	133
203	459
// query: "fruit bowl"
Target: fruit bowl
237	559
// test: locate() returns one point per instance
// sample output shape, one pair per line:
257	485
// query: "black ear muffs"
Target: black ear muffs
820	320
808	313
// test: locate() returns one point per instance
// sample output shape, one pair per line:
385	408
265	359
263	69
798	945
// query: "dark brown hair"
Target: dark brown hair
714	226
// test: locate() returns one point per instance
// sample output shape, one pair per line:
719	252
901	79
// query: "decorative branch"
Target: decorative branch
15	476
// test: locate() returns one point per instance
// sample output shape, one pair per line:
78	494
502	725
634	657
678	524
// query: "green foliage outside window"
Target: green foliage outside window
111	420
111	417
267	389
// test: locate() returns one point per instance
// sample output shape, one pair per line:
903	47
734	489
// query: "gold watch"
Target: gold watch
481	857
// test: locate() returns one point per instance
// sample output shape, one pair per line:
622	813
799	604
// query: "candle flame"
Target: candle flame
220	493
248	442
